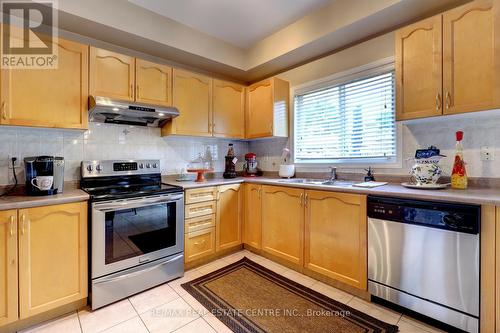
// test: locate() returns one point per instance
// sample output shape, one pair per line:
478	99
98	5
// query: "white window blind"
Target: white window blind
350	121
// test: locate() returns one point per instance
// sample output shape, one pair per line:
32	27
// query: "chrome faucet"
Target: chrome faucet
333	173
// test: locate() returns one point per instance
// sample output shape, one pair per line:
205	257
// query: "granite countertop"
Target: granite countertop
473	195
18	200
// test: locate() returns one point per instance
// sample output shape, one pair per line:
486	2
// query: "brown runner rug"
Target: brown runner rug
250	298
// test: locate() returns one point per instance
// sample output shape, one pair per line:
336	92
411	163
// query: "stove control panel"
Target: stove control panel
106	168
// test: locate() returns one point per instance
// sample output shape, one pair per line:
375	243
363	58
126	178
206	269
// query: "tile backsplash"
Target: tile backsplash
103	141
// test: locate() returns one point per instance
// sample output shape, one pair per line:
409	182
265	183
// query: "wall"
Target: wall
481	128
104	141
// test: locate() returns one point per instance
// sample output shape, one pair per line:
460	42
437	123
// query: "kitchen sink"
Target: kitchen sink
340	183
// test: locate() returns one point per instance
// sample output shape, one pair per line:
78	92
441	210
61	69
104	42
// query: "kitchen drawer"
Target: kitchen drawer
201	194
200	209
199	244
199	223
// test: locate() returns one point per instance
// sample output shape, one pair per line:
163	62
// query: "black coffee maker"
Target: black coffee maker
40	175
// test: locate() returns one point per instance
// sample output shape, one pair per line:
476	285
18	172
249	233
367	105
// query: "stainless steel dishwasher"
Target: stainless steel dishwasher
424	256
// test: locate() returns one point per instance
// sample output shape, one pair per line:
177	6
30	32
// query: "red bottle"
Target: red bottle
459	174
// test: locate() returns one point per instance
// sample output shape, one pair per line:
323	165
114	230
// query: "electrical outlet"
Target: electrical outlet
487	153
16	163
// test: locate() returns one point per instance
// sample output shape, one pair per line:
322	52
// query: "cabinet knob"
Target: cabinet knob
448	100
438	101
131	90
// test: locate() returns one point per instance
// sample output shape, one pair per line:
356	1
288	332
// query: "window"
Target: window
350	121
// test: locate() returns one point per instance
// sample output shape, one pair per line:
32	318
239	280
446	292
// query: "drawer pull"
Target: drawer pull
201	194
23	224
438	102
200	243
199	209
12	226
194	224
448	100
4	111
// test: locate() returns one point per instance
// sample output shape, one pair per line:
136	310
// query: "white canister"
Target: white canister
287	170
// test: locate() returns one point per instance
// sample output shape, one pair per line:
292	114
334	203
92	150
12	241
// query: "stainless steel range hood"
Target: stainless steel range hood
112	111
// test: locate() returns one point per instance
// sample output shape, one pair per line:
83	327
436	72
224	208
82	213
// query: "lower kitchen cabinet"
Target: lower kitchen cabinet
199	244
213	220
52	257
335	236
252	223
43	259
8	267
229	216
283	223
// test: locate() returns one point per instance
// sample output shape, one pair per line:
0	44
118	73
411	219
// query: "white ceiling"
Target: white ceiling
238	22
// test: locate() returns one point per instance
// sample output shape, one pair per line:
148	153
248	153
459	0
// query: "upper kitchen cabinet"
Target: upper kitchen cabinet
447	64
48	97
267	109
153	83
419	69
192	96
471	62
111	74
228	110
8	266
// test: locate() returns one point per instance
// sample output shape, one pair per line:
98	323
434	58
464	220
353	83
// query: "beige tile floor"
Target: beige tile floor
169	308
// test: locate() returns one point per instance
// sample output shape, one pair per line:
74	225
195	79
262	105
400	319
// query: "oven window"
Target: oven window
133	232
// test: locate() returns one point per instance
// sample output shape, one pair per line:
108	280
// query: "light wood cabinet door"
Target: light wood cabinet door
252	224
267	108
48	97
229	216
471	48
260	110
283	223
335	236
111	74
8	267
228	110
199	244
192	95
52	257
153	83
419	70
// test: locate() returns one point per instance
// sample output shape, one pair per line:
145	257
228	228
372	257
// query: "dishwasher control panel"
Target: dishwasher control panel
447	216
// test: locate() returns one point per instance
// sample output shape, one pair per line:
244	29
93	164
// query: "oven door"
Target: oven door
130	232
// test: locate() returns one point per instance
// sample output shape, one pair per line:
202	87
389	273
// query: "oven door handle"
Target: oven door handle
139	272
135	203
